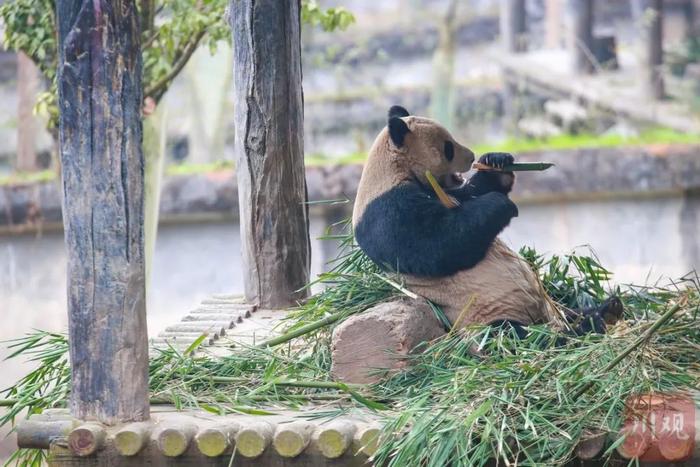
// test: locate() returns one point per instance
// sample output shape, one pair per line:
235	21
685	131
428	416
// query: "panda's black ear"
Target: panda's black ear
397	111
398	130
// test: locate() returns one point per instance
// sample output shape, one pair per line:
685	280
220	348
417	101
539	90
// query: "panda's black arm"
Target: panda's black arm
458	238
483	182
407	230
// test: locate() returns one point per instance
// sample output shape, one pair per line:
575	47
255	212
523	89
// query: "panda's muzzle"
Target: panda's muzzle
451	180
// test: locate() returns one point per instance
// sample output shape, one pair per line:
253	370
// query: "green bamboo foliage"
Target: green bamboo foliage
468	398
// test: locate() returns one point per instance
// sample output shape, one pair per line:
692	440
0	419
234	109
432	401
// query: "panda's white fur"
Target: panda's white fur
394	205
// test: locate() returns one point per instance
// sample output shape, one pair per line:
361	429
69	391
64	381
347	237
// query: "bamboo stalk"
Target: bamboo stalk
632	347
516	167
317	384
330	319
293	383
165	401
448	201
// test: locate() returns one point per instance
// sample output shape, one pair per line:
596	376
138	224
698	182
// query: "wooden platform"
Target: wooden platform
309	436
619	91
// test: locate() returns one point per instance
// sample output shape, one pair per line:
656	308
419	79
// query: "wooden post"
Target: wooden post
27	125
513	25
99	84
581	13
268	111
652	27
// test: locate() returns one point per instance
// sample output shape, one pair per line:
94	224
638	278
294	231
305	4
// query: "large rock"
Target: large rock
367	346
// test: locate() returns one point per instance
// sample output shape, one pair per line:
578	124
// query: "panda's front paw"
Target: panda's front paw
497	160
612	310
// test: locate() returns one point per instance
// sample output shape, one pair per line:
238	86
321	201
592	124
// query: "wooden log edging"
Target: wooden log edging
195	437
132	438
190	435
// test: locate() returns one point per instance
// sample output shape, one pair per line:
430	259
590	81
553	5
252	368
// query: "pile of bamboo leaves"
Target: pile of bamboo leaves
469	397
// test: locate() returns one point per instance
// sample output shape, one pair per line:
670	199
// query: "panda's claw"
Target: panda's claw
497	160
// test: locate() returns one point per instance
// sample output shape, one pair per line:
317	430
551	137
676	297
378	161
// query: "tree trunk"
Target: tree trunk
269	150
652	27
27	125
442	98
514	25
581	12
102	166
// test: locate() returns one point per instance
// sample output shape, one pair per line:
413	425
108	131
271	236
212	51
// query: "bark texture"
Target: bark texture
102	164
269	150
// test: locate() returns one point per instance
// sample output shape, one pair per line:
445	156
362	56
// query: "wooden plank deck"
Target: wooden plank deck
227	320
618	91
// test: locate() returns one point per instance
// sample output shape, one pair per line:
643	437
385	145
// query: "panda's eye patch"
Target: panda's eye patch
449	150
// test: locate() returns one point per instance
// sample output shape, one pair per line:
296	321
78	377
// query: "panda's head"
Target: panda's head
403	151
418	144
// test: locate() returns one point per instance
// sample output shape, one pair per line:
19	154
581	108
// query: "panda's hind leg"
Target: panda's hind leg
505	325
596	319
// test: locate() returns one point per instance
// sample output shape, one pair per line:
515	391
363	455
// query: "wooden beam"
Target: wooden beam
99	83
514	25
269	151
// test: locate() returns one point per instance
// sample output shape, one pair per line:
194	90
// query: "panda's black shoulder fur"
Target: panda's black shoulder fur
408	230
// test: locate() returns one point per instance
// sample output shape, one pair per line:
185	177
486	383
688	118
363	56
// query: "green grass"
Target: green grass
563	142
318	159
192	168
566	142
20	178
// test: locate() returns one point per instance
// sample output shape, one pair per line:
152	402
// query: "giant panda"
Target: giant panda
452	257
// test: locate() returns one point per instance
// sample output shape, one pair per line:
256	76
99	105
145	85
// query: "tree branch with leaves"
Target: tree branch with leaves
171	31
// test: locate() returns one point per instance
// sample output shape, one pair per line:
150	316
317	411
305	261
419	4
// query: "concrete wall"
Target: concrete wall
578	174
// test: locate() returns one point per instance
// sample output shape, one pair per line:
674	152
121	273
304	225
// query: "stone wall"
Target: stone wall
578	174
